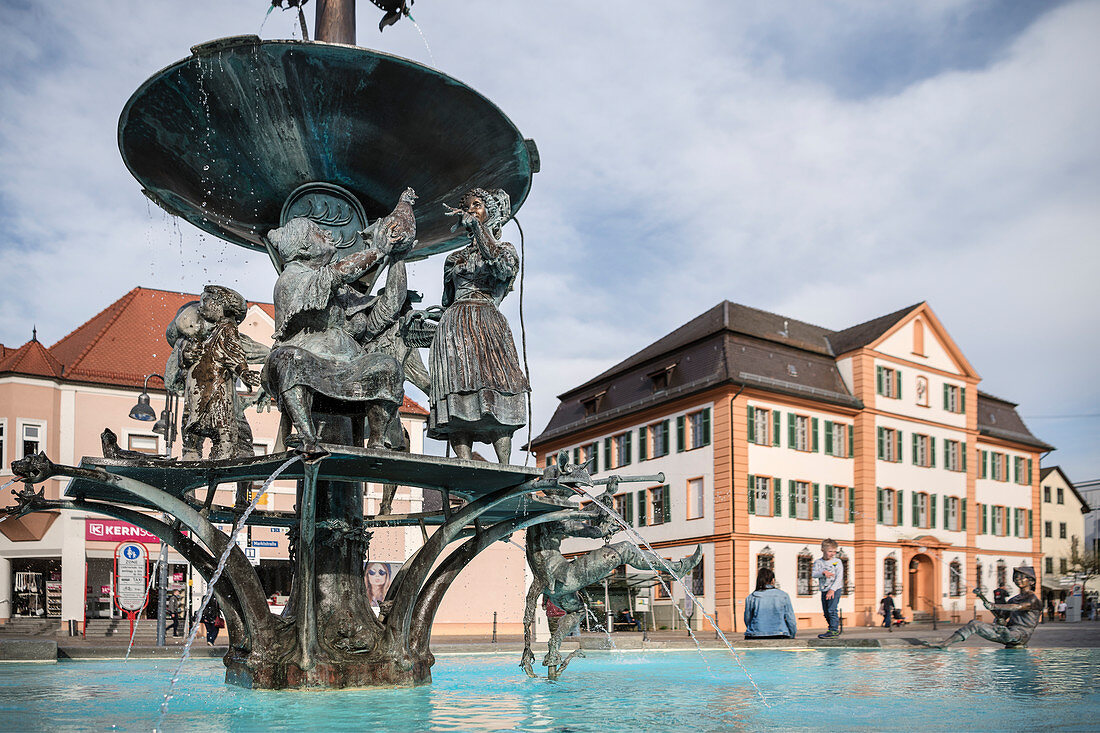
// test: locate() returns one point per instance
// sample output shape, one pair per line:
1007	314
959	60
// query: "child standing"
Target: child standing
829	572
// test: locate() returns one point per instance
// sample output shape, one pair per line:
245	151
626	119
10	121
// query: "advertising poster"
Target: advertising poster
378	576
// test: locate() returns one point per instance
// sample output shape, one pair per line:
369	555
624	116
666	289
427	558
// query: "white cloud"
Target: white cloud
690	153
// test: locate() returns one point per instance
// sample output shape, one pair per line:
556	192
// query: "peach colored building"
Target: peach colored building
59	399
774	434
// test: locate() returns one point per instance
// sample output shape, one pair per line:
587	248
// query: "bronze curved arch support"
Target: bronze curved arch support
203	562
241	575
406	584
436	587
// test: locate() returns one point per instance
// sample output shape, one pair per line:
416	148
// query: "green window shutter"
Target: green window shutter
916	510
878	494
641	508
932	512
666	503
777	497
897	383
962	525
900	451
790	430
946	512
1012	466
945	395
627	447
878	381
792	503
608	459
962	448
576	456
881	443
899	502
664	438
828	437
752	494
851	429
1029	515
777	428
641	444
851	505
914	449
1029	471
752	424
985	519
946	453
813	430
680	434
817	510
629	507
706	426
985	464
828	502
932	450
962	399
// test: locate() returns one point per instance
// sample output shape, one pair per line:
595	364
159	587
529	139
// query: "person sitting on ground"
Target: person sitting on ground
768	610
829	571
1016	619
626	617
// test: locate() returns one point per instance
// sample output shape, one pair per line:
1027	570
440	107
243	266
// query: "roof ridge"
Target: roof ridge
15	360
780	315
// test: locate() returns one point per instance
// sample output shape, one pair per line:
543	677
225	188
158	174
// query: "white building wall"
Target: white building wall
900	345
908	404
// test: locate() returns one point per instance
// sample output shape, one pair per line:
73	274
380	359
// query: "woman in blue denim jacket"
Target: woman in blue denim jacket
768	610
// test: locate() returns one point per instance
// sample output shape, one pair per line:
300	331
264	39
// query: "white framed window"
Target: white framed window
924	450
762	496
954	455
889	445
695	502
839	503
890	576
659	505
696	425
921	520
32	437
802	499
620	451
955	579
951	513
801	432
622	504
953	398
888	382
653	440
889	506
143	443
805	572
762	430
837	439
998	521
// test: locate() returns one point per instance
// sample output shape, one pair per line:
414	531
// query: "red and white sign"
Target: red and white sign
115	530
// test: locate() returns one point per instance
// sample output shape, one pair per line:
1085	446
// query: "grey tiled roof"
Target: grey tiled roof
998	418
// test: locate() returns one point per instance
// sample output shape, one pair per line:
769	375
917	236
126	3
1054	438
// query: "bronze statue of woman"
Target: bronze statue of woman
478	387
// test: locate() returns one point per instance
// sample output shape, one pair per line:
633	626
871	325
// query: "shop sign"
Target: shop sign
114	530
131	575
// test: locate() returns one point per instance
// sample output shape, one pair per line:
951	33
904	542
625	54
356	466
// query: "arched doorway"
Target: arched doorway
921	583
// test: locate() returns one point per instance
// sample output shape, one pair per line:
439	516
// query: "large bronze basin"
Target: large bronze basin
223	137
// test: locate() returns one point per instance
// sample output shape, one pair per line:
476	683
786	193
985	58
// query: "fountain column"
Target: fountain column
5	590
335	21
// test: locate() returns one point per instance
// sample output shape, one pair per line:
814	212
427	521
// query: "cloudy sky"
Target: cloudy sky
828	161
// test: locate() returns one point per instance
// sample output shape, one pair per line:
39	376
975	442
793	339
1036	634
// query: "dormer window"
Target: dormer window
592	404
661	378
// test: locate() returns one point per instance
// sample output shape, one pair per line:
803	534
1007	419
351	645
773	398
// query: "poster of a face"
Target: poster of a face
379	575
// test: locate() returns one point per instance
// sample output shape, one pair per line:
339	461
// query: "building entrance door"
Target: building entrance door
921	583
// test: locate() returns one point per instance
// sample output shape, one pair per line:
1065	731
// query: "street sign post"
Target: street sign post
131	579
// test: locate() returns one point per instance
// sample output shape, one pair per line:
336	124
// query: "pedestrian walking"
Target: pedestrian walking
886	608
210	618
173	608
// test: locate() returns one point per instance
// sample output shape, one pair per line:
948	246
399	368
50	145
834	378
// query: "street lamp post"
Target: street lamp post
165	426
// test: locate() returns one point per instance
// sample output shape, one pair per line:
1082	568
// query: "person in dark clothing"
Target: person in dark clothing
626	617
886	608
173	608
210	621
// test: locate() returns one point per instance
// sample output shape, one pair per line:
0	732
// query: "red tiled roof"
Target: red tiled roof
31	358
120	344
411	407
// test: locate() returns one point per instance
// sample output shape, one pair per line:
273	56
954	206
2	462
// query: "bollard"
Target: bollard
494	627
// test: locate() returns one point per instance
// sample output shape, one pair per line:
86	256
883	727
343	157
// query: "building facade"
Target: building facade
1062	516
775	434
59	399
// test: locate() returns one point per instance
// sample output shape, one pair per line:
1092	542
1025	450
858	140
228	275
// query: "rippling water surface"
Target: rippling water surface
960	689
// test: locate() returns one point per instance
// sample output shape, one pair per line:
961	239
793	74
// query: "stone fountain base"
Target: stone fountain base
333	675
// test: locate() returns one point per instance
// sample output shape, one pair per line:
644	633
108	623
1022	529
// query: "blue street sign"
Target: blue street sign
264	543
130	552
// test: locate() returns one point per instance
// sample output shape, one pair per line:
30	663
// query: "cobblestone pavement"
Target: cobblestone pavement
1049	635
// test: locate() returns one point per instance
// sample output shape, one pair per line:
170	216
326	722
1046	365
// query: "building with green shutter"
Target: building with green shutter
774	434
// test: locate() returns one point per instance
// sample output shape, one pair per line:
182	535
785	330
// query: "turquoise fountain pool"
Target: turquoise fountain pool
842	689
